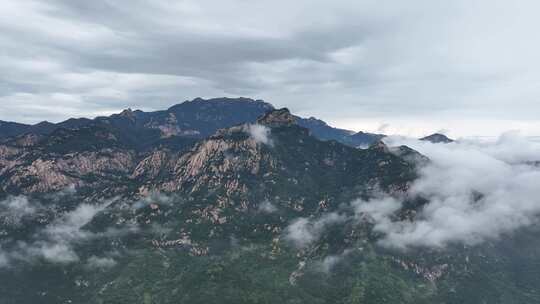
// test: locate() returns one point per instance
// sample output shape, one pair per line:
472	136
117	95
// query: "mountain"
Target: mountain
262	211
10	129
248	182
437	138
198	118
93	156
290	162
325	132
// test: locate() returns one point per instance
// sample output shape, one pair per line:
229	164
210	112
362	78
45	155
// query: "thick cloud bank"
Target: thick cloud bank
478	190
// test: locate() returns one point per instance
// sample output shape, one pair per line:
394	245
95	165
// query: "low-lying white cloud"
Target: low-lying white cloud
13	209
477	191
54	243
267	207
95	262
304	231
327	264
155	199
4	260
260	133
61	252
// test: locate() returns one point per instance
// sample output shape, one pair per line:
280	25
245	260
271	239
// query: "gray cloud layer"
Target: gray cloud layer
384	62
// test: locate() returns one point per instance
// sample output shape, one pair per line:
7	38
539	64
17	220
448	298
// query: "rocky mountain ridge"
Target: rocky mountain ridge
198	119
95	157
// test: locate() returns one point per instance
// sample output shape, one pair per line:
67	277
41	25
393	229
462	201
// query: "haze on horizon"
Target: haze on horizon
412	68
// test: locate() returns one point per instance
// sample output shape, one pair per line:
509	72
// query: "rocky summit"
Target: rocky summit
437	138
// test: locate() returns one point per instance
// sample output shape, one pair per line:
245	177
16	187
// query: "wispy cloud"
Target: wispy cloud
267	207
15	208
260	134
327	264
154	199
95	262
55	241
304	231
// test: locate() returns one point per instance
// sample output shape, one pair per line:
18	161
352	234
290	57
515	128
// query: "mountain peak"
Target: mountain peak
226	99
279	117
379	146
128	113
437	138
316	121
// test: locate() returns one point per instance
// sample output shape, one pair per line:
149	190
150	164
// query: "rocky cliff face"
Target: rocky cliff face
241	162
86	158
285	150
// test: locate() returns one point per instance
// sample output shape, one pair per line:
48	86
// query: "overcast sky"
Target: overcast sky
410	67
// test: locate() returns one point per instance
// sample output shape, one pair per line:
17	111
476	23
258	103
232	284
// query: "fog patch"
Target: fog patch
154	200
477	191
4	260
329	262
58	238
55	242
61	252
14	209
267	207
304	231
95	262
260	134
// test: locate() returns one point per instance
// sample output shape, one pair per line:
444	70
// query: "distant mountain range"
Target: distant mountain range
198	118
437	138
